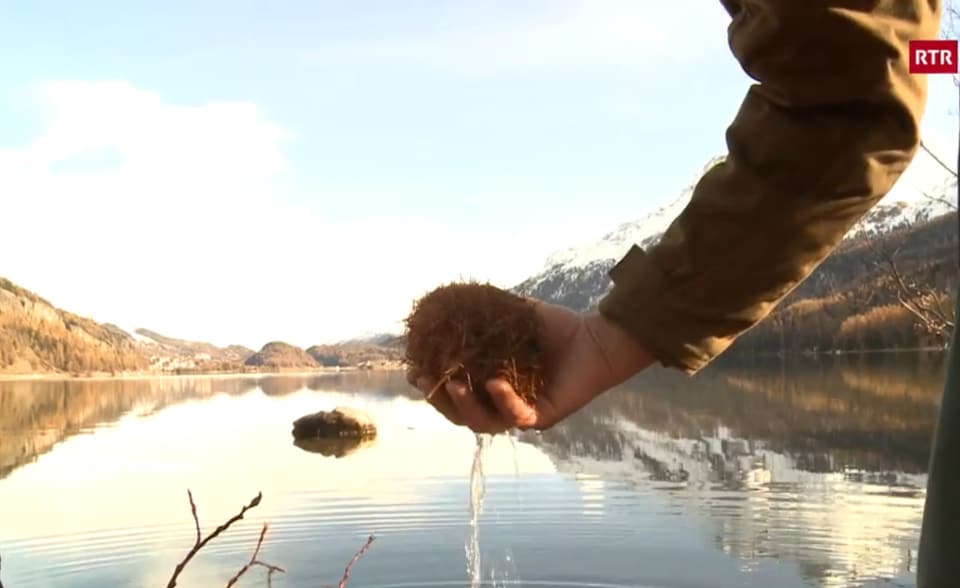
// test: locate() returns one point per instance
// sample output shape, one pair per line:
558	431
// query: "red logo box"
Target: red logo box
935	56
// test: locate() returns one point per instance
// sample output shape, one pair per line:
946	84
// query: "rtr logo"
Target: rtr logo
933	56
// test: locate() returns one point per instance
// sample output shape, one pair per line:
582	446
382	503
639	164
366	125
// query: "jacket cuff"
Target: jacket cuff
639	303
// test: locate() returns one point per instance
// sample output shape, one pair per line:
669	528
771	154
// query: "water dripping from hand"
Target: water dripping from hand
477	492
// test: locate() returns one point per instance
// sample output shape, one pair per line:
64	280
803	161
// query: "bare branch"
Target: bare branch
356	557
944	309
914	300
931	323
256	562
937	159
932	319
193	511
198	545
359	554
940	199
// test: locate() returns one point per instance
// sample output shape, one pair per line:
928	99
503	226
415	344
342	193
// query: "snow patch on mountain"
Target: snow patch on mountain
577	276
137	337
643	232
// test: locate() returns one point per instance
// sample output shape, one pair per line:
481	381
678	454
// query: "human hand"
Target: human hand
590	355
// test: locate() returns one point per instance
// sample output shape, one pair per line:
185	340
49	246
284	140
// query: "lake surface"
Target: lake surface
789	475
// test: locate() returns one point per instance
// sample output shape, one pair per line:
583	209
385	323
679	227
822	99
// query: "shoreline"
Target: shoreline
50	377
837	352
324	371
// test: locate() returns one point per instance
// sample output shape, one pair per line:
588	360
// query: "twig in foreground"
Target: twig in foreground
198	544
356	557
256	562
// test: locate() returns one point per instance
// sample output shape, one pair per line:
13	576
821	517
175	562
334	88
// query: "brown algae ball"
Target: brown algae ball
473	332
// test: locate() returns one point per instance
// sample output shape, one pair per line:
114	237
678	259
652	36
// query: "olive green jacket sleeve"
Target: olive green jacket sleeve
830	125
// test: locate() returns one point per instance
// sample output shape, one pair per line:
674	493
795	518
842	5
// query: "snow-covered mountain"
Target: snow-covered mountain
578	276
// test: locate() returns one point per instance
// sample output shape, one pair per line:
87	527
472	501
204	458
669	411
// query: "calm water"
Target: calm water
763	475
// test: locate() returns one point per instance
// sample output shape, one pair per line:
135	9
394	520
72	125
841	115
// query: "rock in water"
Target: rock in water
339	422
336	447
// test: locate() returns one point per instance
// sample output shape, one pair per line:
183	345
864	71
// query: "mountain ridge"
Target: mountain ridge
38	337
577	276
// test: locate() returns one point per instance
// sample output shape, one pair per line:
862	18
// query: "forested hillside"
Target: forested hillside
875	292
37	337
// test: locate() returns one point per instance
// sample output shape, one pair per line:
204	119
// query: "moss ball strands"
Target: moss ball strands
473	332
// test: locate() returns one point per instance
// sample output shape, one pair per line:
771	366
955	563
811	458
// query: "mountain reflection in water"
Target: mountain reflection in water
876	416
774	455
796	474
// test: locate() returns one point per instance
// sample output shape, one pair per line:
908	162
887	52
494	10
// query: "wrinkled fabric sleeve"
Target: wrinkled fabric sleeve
824	133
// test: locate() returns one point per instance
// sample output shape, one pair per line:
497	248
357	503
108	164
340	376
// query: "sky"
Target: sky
244	172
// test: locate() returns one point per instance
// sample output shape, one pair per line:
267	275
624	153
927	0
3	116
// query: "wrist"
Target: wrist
623	354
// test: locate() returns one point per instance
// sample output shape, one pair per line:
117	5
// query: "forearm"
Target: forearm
825	134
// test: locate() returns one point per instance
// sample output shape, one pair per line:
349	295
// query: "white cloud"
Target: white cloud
185	229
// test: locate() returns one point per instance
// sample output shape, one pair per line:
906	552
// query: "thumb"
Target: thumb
514	412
